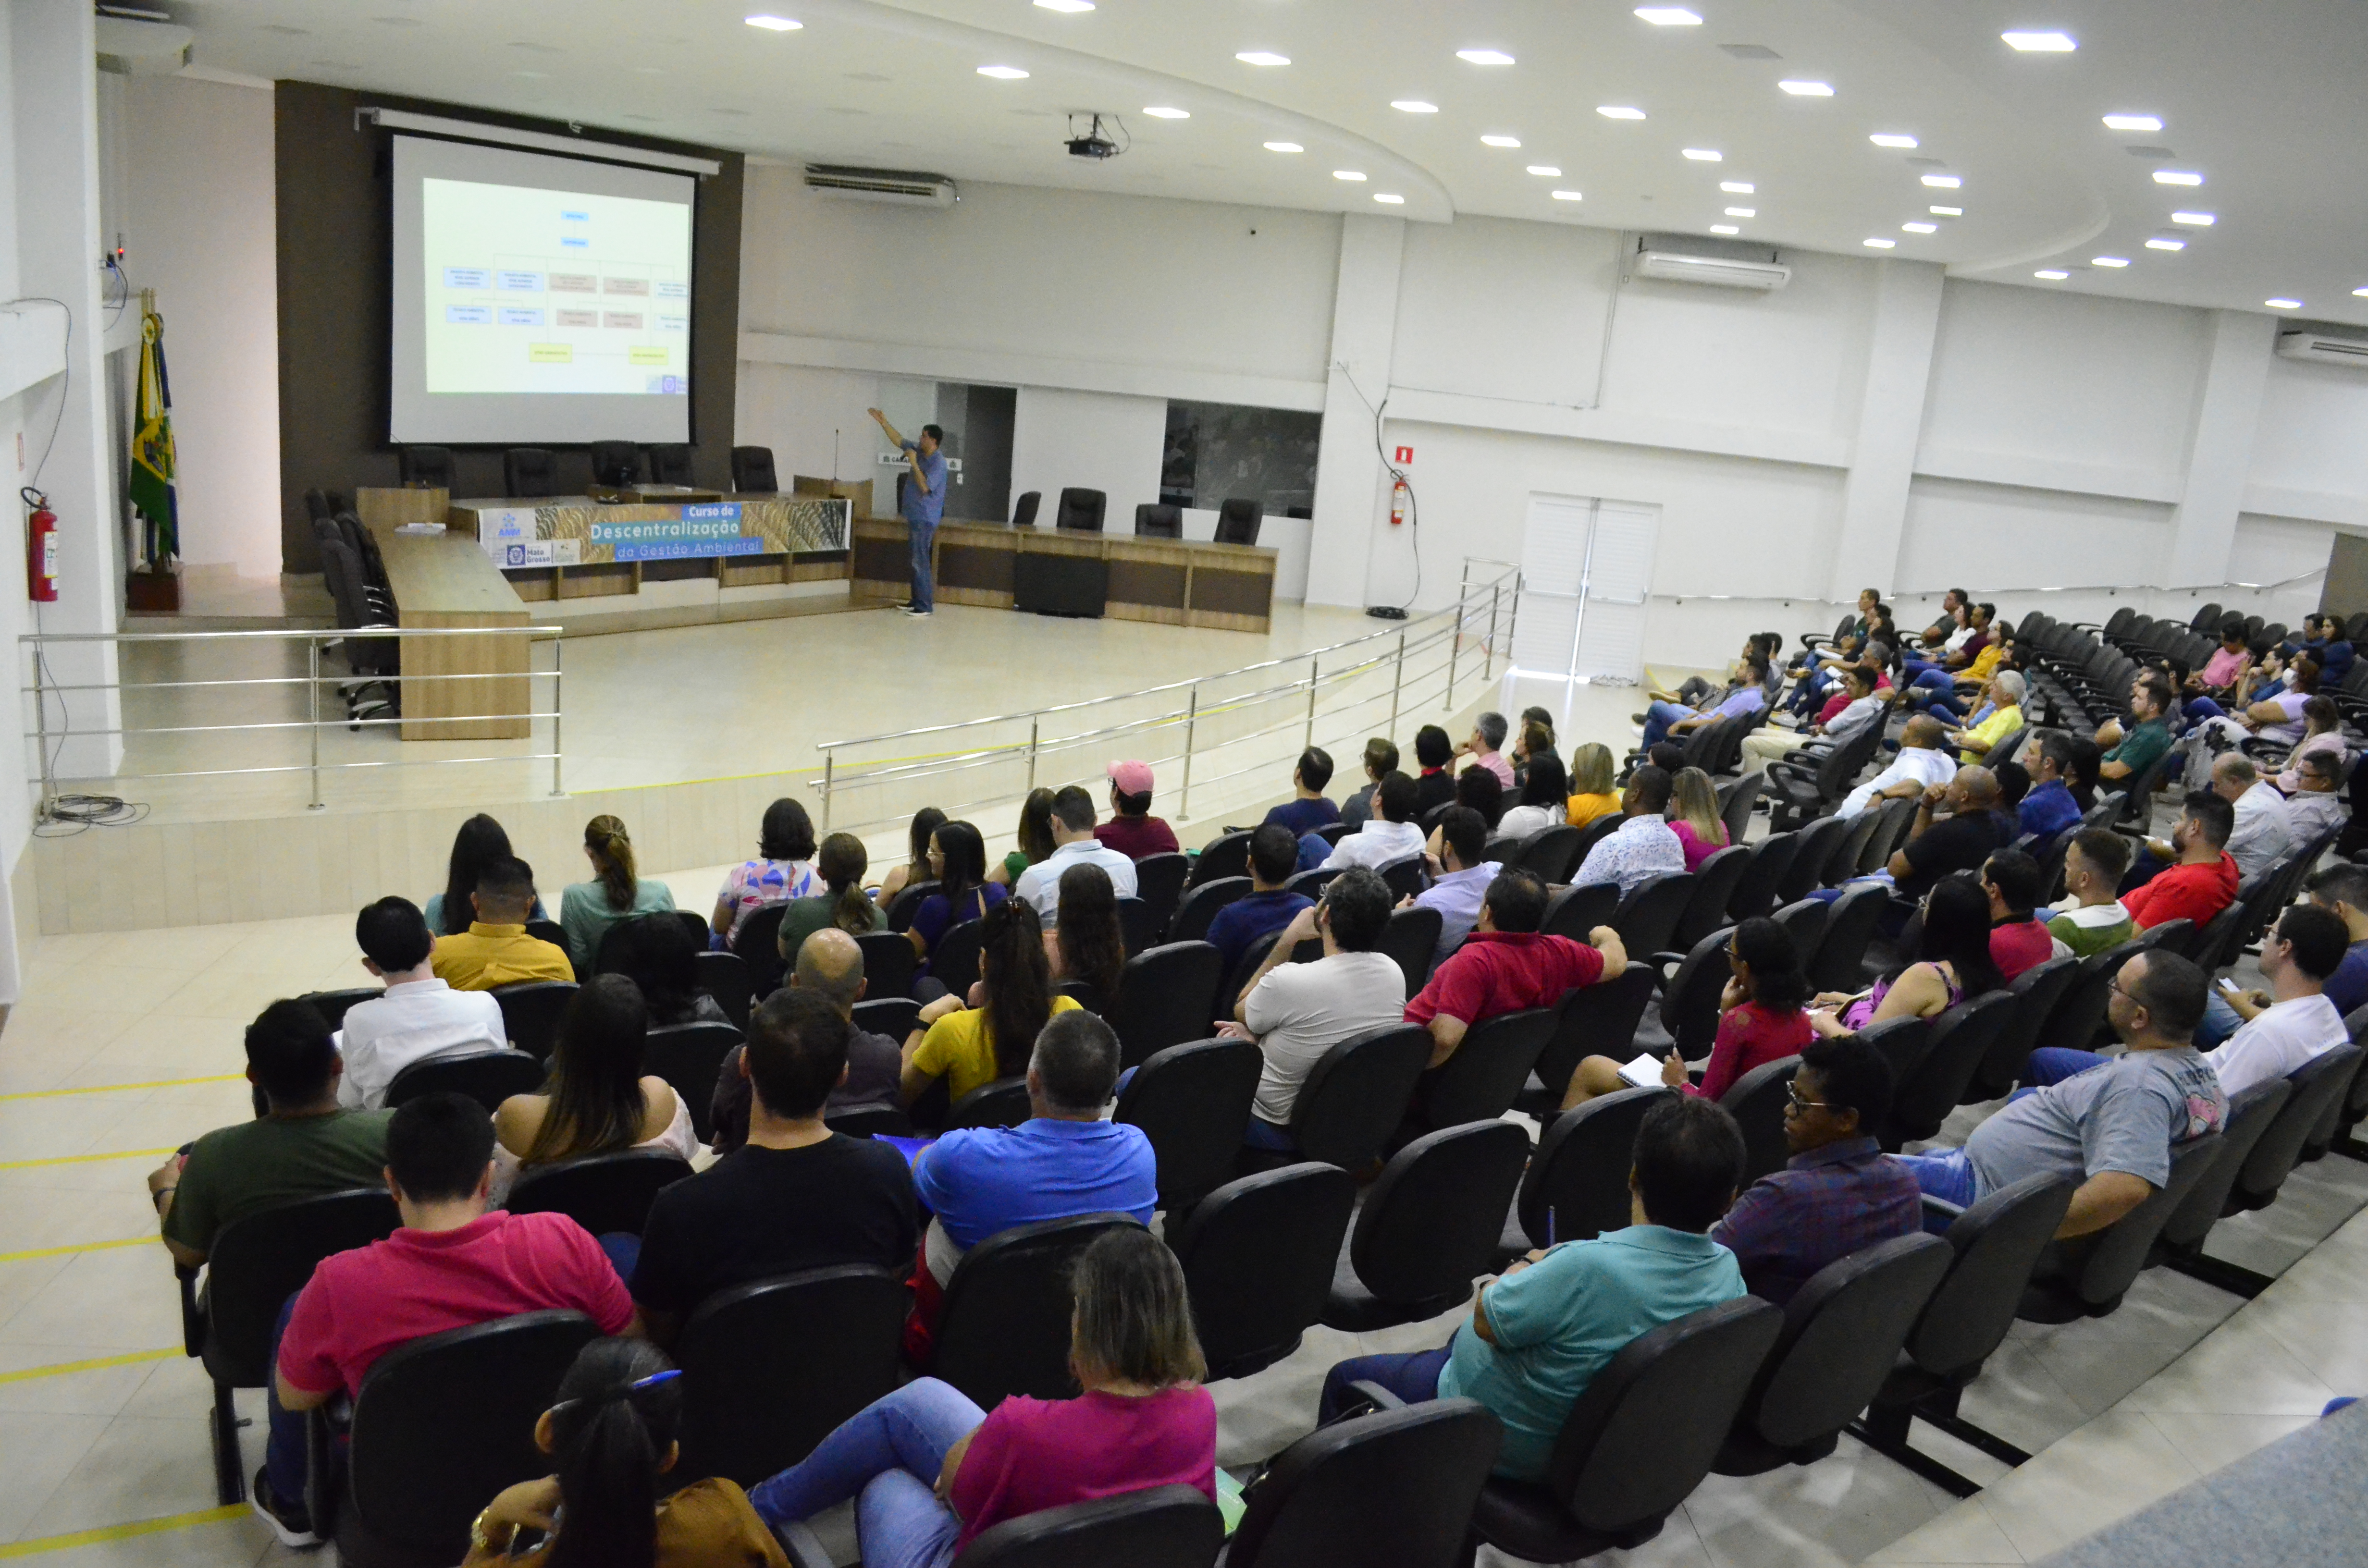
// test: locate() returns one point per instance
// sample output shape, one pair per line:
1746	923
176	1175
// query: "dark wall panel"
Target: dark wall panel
334	220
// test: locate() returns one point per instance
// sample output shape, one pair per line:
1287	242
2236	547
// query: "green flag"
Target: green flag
151	484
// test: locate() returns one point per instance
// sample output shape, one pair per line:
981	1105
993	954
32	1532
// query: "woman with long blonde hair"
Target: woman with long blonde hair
618	893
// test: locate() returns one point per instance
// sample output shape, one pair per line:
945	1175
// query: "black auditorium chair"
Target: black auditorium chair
1355	1095
954	960
1736	799
1755	891
1850	921
1257	1256
602	1192
758	941
1227	854
888	963
1138	925
753	473
1406	878
429	467
1576	911
2317	1083
488	1077
1192	1101
2036	991
1002	1103
1199	906
1805	921
1159	884
725	977
2087	1276
1648	918
1388	1489
1157	520
616	463
2251	1113
1481	1080
1410	937
1813	850
1715	881
1429	1226
1081	510
1166	996
669	464
548	931
529	472
1593	1021
1690	996
1577	1186
333	1004
1238	521
688	1057
1756	1101
1548	853
1955	1048
530	1013
893	1017
1004	1328
1023	510
1165	1527
769	1368
257	1262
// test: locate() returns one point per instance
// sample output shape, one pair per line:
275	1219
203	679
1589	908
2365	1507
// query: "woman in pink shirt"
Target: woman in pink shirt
1694	816
931	1470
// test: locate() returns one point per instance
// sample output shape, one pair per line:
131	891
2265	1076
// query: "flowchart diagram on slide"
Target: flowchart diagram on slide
555	292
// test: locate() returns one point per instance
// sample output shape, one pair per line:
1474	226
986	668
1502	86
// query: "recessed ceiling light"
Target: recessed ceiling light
1545	171
1878	244
1066	8
1389	198
2361	294
1893	139
773	24
1703	154
1946	211
1262	57
2283	304
1943	182
1669	16
2051	274
1164	113
2195	219
2177	176
1500	141
1743	211
1724	229
1284	147
1921	228
1004	72
1413	106
1483	56
2108	261
1808	89
2166	245
1568	196
1619	111
1736	187
1348	174
2133	122
2040	43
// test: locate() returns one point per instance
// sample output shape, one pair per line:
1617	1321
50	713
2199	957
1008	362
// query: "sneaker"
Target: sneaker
916	614
1636	717
291	1523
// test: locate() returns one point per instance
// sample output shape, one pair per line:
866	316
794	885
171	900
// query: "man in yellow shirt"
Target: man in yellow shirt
496	950
2004	718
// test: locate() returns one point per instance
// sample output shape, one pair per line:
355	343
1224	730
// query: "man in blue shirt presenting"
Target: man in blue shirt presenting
922	503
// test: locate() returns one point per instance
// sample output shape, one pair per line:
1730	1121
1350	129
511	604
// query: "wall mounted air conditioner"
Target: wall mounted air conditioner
2326	350
137	42
904	187
1723	272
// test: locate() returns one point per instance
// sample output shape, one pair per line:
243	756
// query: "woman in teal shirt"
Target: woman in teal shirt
586	909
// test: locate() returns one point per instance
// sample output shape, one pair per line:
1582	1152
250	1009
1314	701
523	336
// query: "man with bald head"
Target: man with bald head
1923	761
831	966
1958	825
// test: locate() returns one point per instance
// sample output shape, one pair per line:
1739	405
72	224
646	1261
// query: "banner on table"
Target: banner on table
581	533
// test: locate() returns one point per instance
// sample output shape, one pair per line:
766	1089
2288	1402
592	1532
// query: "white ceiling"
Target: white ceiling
2267	99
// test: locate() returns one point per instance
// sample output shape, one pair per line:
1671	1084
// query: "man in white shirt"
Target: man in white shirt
1922	762
1459	882
2316	807
2262	836
420	1016
1388	836
2288	1025
1073	844
1644	846
1296	1012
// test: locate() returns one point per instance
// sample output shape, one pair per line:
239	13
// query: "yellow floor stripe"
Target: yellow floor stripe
84	1159
123	1532
96	1363
119	1088
78	1246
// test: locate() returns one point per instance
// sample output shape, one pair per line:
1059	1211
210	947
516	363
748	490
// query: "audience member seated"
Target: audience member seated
1063	1161
1296	1012
1268	906
795	1195
1695	817
1696	691
1485	748
783	872
1644	846
2048	808
419	1017
2092	918
1540	1331
928	1471
1478	789
1921	764
917	867
451	1264
2200	880
2342	888
1308	809
1034	838
2140	746
1536	734
1763	1017
658	954
1459	875
1954	629
957	864
2261	835
1593	792
1748	696
2111	1129
1508	965
479	843
2225	670
2002	718
1837	1194
2322	732
1132	831
586	909
495	950
2315	807
596	1101
1953	965
839	902
1546	791
2014	783
1849	710
1390	833
1074	844
1380	761
830	965
1434	754
611	1434
2018	941
1087	946
970	1042
1959	840
305	1142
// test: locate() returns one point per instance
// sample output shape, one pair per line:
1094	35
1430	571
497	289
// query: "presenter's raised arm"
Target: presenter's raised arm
883	418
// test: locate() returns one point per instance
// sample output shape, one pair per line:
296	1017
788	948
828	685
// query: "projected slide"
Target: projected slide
536	290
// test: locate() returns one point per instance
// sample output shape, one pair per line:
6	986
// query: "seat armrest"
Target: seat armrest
193	1313
1942	1207
325	1426
1378	1396
802	1545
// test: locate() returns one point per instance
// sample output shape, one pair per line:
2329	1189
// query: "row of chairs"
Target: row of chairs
1081	510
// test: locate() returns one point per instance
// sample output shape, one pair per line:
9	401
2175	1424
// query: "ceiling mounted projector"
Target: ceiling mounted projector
140	42
1093	143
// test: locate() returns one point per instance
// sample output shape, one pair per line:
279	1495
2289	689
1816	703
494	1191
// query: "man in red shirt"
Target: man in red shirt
2202	881
2017	942
451	1264
1132	830
1508	965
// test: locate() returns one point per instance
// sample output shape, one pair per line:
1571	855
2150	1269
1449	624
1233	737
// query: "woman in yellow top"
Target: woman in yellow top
990	1038
1591	791
2004	718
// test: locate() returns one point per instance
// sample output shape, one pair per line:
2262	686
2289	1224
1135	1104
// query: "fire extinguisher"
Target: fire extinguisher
41	549
1398	495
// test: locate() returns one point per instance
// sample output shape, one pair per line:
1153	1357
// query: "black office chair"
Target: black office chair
1480	1081
893	1017
604	1192
1158	521
616	463
1166	996
725	977
758	943
1023	511
1138	925
889	964
334	1005
1357	1093
1392	1489
2036	991
488	1077
1002	1103
1081	510
1238	521
954	961
257	1262
771	1368
429	467
1257	1255
669	464
752	471
1227	854
1805	921
1576	911
1851	922
1199	905
1409	940
1955	1048
2087	1276
548	931
1756	1101
1648	918
1577	1186
1165	1527
1159	884
529	472
1192	1101
1813	851
689	1056
1548	853
1594	1020
1429	1226
1689	996
530	1013
1004	1328
1756	891
373	663
1715	881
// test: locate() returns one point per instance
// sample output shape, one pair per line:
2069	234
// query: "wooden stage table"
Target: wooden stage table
1181	582
447	580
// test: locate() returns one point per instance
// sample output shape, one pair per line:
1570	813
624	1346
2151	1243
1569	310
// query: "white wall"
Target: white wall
1091	441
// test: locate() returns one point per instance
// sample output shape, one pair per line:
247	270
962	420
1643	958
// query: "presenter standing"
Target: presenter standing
922	503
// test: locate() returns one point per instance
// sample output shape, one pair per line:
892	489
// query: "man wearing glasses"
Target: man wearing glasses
2110	1129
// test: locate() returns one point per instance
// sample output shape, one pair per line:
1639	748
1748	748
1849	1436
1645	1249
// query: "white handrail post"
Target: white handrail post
557	708
1397	683
1513	621
1034	720
1314	673
1488	649
41	733
1191	725
312	647
829	764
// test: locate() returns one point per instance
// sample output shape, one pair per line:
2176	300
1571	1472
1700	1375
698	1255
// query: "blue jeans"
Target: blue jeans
1264	1134
2053	1063
1659	717
2201	708
1414	1378
2220	1021
625	1250
887	1457
1917	670
925	592
1948	1175
284	1459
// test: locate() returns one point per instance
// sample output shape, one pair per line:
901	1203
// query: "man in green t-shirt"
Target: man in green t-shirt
2149	736
303	1144
2093	919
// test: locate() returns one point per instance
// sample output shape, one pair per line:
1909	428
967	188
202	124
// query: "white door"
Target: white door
1619	578
1554	570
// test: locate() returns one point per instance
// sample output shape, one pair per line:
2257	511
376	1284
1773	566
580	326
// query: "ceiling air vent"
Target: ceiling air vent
2321	347
904	187
1723	264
